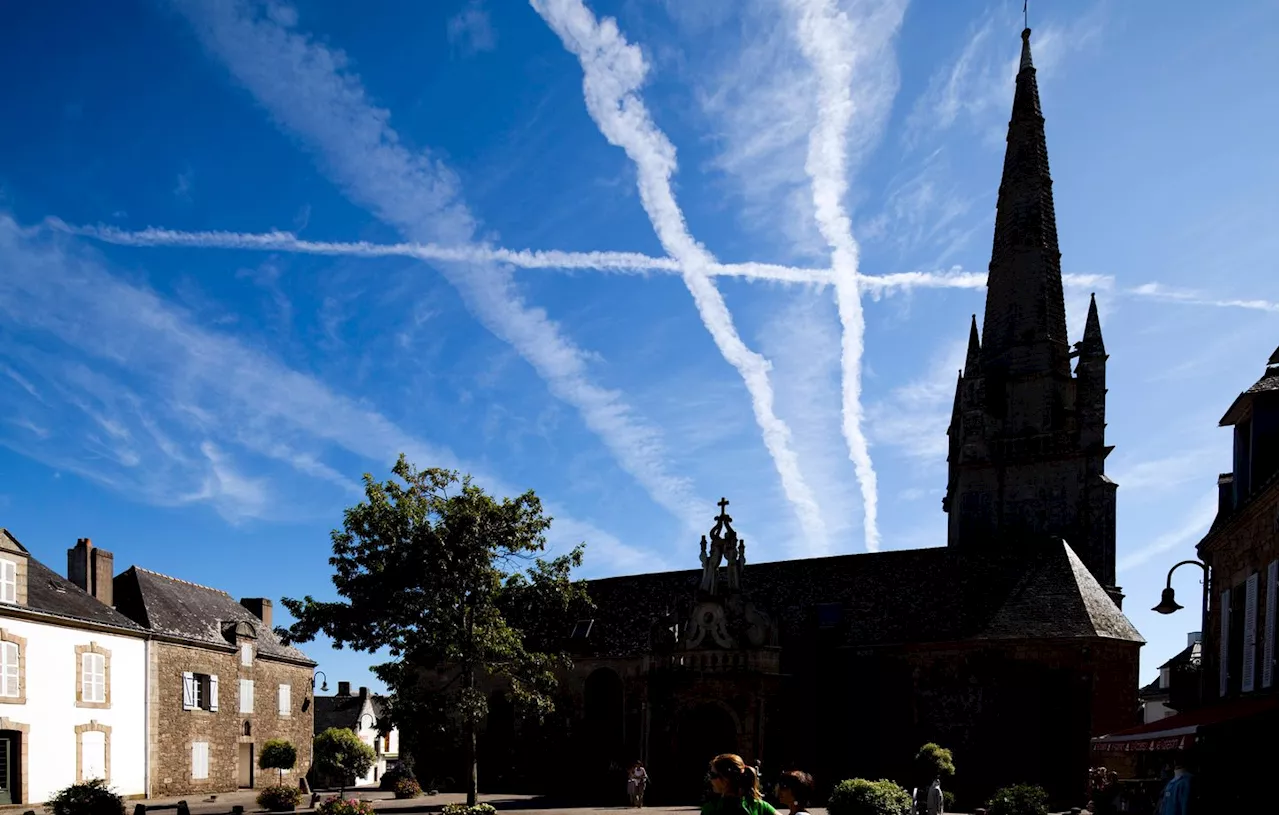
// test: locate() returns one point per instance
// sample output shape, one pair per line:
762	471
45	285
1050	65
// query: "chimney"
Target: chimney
261	608
92	570
344	688
1193	638
364	693
1226	494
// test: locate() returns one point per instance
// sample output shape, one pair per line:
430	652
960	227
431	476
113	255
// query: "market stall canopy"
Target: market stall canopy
1179	731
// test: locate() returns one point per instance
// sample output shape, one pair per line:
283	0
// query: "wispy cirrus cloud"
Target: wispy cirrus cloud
913	418
841	51
1191	297
613	71
142	399
309	90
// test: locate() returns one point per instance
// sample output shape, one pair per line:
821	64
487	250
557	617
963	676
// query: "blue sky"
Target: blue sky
202	400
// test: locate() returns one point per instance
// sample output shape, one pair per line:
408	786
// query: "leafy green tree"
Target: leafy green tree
278	754
858	796
934	761
339	753
427	567
1019	799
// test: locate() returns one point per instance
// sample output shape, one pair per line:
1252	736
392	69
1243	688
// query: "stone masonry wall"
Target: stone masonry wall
173	730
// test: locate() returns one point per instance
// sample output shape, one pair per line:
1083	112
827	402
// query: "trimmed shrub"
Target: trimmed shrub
934	761
279	755
279	798
858	796
88	798
463	809
1019	799
393	776
407	788
338	754
334	805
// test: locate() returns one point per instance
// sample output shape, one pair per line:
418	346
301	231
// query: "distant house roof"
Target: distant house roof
1270	381
912	596
344	711
175	608
50	593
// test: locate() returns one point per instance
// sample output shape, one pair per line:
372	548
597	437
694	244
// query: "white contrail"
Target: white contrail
827	37
613	71
309	90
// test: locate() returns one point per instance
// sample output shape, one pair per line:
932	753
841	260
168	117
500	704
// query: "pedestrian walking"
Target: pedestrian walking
928	800
795	791
637	781
737	789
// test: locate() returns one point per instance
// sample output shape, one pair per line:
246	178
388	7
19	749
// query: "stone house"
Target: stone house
72	678
220	684
365	714
1008	645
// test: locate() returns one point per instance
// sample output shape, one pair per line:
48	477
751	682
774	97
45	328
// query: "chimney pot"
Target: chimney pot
92	570
260	608
344	688
364	693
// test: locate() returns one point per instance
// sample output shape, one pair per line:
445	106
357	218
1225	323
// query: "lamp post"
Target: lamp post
324	683
1169	605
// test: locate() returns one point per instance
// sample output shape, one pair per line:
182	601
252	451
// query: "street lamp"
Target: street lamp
324	683
1168	605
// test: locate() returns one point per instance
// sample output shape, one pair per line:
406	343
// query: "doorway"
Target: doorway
246	765
10	767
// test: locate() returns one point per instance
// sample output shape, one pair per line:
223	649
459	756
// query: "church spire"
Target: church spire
1024	328
973	357
1091	344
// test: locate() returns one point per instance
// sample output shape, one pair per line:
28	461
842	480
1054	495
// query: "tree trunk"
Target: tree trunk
473	786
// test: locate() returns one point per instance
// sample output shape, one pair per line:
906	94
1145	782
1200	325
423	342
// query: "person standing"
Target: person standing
637	781
737	788
795	791
1176	798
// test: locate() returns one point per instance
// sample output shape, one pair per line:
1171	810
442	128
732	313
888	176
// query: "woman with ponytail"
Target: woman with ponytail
737	787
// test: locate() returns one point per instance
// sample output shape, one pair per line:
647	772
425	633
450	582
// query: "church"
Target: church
1008	645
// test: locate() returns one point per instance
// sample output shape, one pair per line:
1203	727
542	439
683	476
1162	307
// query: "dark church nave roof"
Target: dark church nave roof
913	596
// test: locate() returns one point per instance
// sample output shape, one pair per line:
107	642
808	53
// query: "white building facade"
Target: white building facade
73	679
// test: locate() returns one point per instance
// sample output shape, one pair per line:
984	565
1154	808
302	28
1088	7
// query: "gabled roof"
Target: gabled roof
913	596
1269	382
11	544
172	607
345	711
53	594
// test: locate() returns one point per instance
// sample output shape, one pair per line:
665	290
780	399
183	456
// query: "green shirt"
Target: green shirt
737	806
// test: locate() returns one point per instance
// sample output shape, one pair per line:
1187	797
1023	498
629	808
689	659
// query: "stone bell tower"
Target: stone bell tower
1027	436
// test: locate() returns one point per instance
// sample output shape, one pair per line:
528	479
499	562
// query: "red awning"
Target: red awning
1179	731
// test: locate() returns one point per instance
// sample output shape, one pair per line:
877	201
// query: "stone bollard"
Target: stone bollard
315	799
140	809
183	809
237	810
304	786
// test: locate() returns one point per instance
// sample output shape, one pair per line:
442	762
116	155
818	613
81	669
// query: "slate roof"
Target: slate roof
344	711
50	593
176	608
904	597
1269	382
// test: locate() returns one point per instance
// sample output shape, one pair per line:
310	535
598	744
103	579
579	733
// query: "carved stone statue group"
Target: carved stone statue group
724	546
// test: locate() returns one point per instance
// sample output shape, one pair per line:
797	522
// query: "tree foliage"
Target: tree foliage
278	754
1019	799
92	797
338	753
439	573
934	761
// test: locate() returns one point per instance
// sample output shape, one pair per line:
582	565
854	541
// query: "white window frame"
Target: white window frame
195	686
199	760
93	677
285	700
246	654
8	581
10	670
86	739
246	696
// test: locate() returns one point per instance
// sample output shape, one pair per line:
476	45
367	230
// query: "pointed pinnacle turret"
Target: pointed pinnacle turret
973	357
1091	344
1025	323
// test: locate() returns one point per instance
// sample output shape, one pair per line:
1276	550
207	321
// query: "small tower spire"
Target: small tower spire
1091	344
973	357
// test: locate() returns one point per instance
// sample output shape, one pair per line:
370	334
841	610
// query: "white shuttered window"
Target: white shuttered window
199	760
1269	631
93	679
93	755
1249	660
246	695
9	669
1224	641
286	701
8	581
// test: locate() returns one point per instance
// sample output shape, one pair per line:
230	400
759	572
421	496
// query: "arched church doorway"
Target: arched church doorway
496	746
603	732
702	733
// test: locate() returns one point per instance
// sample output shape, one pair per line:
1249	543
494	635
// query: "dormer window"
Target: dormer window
8	581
